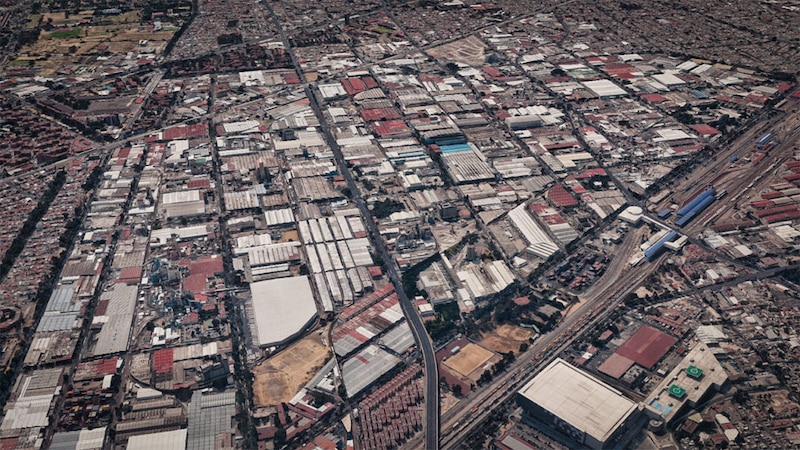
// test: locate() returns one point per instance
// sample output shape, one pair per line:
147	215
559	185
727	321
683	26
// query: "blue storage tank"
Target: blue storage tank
708	193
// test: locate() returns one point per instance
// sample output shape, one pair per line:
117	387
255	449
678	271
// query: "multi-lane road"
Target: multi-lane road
412	316
465	417
619	280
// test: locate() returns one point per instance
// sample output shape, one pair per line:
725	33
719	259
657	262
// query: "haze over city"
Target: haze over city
385	224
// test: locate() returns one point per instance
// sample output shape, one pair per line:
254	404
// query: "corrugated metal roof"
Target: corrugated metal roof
56	321
167	440
113	337
209	415
365	368
399	339
282	307
61	301
184	196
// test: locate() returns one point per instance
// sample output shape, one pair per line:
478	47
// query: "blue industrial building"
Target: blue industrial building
695	207
710	192
652	252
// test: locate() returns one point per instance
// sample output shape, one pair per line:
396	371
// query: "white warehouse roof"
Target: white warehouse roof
579	399
540	243
668	79
167	440
604	88
283	307
170	198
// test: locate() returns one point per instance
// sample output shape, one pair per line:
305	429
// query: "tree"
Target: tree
523	347
368	185
280	437
486	377
457	390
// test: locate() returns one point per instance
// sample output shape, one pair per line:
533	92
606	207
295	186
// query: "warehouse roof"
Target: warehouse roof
167	440
578	398
113	337
209	415
84	439
604	88
283	307
647	346
365	368
184	196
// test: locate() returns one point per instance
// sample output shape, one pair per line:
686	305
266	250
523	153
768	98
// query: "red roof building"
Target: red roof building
559	197
355	85
290	78
705	130
391	128
163	361
371	115
647	346
107	367
615	366
206	265
185	132
195	284
521	301
654	98
130	275
198	184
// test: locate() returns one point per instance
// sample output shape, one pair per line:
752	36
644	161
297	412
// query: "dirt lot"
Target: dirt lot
506	338
469	361
448	401
468	51
279	378
76	49
290	236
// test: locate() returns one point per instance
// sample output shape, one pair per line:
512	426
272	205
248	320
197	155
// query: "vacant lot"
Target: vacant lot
468	51
279	378
506	338
74	49
468	362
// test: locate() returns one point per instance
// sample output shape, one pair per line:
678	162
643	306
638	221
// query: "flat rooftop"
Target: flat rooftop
646	346
580	399
688	382
167	440
283	307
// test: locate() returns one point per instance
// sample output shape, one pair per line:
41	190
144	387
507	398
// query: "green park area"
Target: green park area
67	34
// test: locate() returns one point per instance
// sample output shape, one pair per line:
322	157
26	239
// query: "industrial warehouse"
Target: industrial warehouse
283	308
579	405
